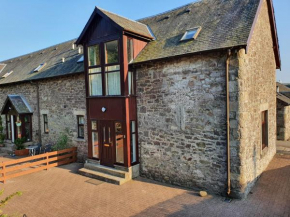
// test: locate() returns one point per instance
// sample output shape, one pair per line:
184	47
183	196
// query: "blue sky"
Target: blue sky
30	25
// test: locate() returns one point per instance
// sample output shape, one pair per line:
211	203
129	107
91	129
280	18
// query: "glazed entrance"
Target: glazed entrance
108	140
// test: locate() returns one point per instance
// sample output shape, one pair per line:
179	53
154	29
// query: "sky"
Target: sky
31	25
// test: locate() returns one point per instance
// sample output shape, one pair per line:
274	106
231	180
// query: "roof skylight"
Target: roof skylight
7	74
2	66
191	34
81	59
39	67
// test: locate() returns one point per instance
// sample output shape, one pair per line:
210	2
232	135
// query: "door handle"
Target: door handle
107	145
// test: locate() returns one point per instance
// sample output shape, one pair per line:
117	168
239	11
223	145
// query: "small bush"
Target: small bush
62	141
19	143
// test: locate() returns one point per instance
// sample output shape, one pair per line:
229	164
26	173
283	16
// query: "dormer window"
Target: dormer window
40	67
7	74
191	34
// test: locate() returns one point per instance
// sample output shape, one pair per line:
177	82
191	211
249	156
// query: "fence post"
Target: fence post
47	163
74	154
3	172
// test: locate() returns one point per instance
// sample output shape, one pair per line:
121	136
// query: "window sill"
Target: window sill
80	140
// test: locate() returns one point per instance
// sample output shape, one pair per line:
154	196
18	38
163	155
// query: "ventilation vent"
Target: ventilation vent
187	10
41	66
164	18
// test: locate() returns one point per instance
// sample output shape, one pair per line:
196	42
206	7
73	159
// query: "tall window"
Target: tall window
112	69
81	126
27	127
130	49
8	127
108	54
264	129
133	142
95	71
45	121
131	83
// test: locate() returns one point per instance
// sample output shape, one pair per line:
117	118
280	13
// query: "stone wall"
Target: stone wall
255	91
182	121
62	100
283	121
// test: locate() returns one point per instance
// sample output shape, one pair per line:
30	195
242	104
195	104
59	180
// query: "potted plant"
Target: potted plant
2	135
20	148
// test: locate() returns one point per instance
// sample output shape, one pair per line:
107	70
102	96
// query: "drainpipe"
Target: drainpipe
38	111
228	124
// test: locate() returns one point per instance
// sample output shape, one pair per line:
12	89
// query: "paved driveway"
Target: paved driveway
62	192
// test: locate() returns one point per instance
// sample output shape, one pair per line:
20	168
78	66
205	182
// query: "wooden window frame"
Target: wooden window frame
99	139
265	129
45	123
102	66
80	125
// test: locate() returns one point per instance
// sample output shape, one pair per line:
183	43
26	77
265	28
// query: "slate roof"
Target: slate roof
23	66
283	89
19	103
127	24
225	23
283	98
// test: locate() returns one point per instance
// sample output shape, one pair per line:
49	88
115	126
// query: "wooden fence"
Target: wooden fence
24	166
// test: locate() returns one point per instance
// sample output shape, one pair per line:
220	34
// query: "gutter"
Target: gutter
228	124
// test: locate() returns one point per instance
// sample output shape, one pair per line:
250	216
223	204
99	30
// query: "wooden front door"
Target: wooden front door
107	143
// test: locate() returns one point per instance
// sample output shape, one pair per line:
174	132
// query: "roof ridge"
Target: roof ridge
121	16
4	61
174	9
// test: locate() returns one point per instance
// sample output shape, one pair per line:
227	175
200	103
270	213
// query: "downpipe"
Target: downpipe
228	125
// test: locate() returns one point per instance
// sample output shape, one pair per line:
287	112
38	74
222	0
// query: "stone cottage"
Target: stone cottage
186	97
283	112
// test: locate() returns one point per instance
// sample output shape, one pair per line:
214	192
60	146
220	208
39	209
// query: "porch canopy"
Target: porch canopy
17	105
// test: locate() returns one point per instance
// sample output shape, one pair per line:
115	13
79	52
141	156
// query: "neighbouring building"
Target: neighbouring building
283	112
186	97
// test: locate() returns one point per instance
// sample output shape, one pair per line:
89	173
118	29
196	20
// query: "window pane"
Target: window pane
111	52
81	132
94	125
133	148
95	141
113	83
119	148
95	70
131	83
130	50
133	126
113	68
81	120
46	130
95	82
94	56
9	130
8	118
118	127
27	132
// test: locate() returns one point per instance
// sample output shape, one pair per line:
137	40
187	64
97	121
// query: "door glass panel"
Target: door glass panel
104	134
119	143
109	132
95	141
94	125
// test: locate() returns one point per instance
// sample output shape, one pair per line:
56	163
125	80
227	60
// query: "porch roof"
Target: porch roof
19	103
